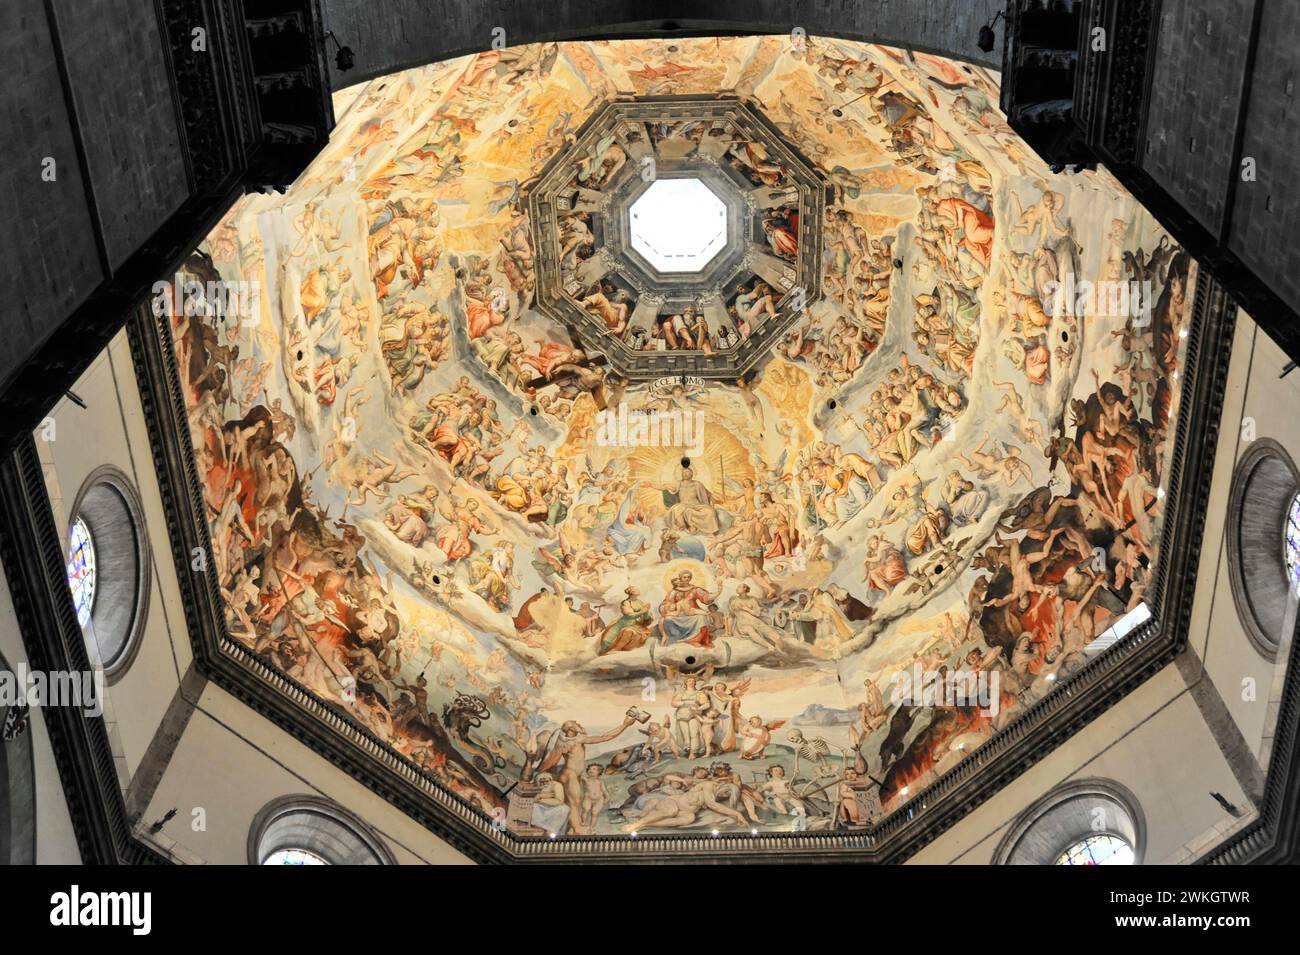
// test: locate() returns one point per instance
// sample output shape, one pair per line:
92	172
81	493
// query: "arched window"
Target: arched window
308	830
108	569
1263	536
1098	850
1082	822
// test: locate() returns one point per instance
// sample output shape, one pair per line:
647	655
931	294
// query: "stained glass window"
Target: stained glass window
294	857
81	570
1098	850
1291	542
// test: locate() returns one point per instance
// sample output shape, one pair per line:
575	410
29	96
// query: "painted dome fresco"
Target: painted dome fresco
628	435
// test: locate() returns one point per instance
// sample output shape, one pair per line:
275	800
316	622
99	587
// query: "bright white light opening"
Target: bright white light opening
678	225
1119	629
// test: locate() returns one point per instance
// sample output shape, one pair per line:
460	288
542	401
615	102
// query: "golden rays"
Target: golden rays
722	468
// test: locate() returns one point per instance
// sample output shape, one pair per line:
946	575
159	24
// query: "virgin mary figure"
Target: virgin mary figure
628	535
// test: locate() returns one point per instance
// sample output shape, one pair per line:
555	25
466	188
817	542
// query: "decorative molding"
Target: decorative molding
617	259
1248	589
115	478
1113	83
32	554
1191	467
210	134
1082	788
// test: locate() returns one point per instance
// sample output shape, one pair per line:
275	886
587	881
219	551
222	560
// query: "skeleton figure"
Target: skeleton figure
815	750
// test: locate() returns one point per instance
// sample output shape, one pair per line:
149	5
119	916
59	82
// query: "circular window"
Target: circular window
1264	574
1083	822
1291	544
308	830
1098	850
81	570
293	857
108	569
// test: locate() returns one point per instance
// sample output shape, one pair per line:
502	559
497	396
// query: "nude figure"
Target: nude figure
1022	579
753	535
568	748
594	797
382	473
990	464
1043	214
683	809
1030	429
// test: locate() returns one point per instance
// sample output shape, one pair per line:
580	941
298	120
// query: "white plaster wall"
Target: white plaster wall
1154	742
1256	396
111	430
56	843
231	761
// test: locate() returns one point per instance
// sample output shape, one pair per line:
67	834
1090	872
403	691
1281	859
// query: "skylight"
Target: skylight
678	225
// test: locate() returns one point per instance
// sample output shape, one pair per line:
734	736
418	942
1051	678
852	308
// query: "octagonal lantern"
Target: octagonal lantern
678	236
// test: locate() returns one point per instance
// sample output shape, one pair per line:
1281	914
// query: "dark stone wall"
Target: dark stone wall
1192	106
388	35
124	104
85	84
159	115
1266	213
1196	95
17	794
49	260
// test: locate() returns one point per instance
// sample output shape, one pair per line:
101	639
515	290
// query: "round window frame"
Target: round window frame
1259	451
1052	801
119	483
306	804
